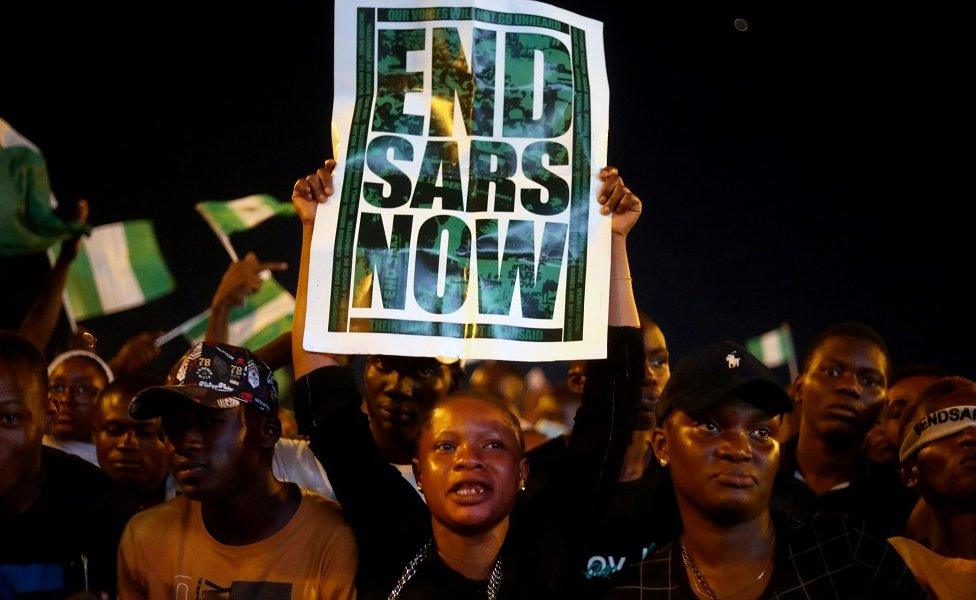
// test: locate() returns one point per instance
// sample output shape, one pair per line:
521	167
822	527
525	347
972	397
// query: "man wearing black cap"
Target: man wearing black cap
717	422
236	529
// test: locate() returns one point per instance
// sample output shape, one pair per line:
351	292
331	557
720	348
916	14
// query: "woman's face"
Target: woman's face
722	459
469	464
74	384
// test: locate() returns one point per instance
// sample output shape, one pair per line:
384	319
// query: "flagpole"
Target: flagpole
224	239
182	328
72	322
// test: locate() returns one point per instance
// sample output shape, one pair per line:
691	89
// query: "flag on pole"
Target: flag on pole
775	348
119	267
232	216
265	315
27	219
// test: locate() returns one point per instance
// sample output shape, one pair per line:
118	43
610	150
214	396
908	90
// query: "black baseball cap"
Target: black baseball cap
214	375
711	373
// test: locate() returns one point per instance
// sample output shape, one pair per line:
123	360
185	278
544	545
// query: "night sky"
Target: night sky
800	171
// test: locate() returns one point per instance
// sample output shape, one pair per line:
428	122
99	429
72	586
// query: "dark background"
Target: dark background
800	171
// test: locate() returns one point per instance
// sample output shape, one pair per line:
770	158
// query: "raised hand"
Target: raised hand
312	190
135	353
70	247
617	198
241	279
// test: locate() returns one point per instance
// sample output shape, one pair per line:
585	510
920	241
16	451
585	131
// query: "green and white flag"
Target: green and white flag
265	315
119	267
775	348
28	222
231	216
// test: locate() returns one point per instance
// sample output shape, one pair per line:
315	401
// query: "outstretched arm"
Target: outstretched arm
307	194
389	518
618	200
240	280
607	414
39	324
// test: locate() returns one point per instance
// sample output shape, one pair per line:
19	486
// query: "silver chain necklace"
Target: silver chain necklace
703	584
494	581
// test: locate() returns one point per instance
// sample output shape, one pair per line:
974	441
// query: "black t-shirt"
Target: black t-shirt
875	495
639	521
433	580
547	529
67	541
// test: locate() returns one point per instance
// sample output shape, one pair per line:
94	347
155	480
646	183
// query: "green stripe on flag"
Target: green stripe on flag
222	216
151	272
231	216
754	346
773	348
271	301
269	333
80	289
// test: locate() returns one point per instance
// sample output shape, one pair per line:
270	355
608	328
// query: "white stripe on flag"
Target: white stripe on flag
108	253
252	210
772	348
249	325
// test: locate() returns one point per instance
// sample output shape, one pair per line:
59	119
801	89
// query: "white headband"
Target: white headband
935	426
60	358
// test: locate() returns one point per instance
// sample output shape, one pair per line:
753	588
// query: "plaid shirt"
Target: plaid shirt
817	557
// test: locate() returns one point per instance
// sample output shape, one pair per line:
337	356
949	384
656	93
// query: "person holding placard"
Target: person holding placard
476	535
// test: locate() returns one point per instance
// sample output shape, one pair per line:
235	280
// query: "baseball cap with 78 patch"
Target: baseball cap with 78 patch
215	375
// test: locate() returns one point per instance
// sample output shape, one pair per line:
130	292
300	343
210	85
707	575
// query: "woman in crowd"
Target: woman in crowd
473	535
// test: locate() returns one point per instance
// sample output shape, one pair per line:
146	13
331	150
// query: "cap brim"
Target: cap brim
157	401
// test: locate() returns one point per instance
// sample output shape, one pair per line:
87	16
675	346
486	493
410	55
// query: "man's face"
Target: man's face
657	371
469	464
73	385
214	452
24	414
841	389
722	459
400	392
902	402
947	467
130	451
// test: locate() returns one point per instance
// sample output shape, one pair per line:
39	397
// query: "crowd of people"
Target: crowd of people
635	477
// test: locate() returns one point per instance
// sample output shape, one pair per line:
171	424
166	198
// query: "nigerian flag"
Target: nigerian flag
265	315
231	216
774	348
27	219
117	268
